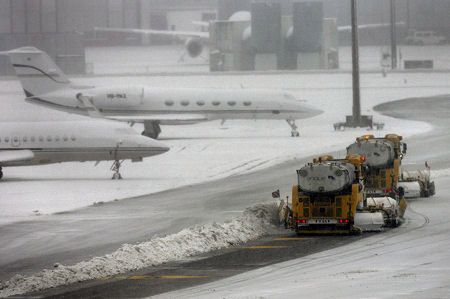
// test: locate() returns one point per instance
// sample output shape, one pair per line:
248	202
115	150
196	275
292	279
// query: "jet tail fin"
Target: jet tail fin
37	72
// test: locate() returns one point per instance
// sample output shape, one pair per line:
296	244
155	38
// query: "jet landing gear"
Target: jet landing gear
151	129
116	168
294	132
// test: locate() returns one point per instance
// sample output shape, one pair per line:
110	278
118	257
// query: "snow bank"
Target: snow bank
253	223
440	173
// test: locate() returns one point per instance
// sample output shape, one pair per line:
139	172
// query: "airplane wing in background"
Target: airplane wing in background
7	156
369	26
164	119
180	34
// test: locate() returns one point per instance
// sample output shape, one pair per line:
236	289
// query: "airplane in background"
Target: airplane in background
38	143
195	41
45	84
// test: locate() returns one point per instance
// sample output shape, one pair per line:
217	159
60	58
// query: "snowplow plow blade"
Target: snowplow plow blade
369	222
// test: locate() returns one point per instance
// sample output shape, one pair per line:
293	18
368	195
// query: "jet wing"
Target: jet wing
171	119
7	156
369	26
181	34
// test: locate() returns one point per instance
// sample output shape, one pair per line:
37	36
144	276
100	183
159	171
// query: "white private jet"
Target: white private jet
38	143
45	84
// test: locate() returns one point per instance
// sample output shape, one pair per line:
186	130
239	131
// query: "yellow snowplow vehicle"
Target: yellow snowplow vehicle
381	171
326	196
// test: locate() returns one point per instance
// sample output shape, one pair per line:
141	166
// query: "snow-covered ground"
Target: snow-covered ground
253	223
204	151
208	151
412	261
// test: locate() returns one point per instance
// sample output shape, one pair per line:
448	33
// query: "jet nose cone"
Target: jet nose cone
312	111
307	111
155	146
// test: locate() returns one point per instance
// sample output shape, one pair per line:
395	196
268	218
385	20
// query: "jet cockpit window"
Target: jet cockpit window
231	103
169	103
216	103
200	103
247	103
184	103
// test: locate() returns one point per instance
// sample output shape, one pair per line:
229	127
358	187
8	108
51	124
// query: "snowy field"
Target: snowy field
205	151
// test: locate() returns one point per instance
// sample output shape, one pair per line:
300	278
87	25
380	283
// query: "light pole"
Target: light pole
355	67
356	119
393	36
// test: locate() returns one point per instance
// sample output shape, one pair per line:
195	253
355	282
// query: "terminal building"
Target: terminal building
64	28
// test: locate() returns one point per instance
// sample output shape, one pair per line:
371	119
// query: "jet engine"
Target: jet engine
194	47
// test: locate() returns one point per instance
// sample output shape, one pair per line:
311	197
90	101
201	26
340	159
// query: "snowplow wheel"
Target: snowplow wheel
432	189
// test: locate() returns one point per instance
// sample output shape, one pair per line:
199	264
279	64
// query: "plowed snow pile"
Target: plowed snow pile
253	223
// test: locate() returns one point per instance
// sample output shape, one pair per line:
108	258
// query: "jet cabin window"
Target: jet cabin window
231	103
6	139
184	103
216	103
200	103
169	103
247	103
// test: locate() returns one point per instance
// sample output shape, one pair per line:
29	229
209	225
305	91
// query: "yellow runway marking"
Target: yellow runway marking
113	277
181	277
148	277
140	277
265	247
291	239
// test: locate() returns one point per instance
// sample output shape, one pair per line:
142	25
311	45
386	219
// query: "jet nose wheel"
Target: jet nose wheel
116	168
117	176
294	132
